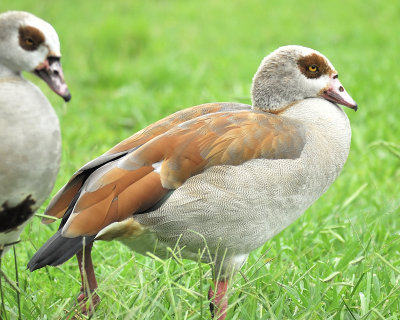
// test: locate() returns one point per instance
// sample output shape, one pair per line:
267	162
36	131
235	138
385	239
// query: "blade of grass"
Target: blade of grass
3	306
354	196
41	215
17	284
387	263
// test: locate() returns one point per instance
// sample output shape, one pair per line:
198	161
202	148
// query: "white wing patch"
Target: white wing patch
157	166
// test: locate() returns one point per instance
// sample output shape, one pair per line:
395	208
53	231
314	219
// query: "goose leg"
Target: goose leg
89	284
219	300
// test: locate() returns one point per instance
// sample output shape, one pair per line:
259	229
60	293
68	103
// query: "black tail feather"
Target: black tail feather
57	250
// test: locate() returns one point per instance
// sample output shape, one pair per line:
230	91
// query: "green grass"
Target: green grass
129	63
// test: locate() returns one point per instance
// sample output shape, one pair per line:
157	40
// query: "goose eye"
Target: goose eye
29	41
313	68
30	38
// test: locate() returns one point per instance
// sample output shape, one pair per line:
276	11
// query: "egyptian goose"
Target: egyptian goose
30	147
227	176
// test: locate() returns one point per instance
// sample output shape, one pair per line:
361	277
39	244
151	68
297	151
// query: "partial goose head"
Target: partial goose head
30	148
30	44
294	73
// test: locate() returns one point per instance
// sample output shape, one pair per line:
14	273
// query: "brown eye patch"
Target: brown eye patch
30	38
313	66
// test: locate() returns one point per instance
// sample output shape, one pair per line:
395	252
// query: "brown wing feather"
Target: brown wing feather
96	210
221	138
165	124
59	204
63	198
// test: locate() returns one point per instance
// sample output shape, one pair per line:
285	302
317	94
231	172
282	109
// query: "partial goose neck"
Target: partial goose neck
317	112
276	86
7	73
275	101
324	119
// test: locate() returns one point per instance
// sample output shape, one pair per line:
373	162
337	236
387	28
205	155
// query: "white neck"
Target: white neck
326	122
8	73
318	112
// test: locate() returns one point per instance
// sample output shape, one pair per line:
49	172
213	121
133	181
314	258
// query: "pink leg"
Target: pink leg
219	300
89	283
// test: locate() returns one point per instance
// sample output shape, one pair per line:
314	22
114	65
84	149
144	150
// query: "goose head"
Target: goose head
293	73
30	44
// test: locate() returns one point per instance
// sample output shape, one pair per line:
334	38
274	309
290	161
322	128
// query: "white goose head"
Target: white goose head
293	73
30	44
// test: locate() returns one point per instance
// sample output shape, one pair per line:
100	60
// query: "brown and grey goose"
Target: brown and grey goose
225	176
30	147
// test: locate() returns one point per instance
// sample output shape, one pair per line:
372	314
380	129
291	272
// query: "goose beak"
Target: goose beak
50	71
336	93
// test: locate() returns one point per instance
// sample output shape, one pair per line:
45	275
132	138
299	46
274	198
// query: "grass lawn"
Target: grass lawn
129	63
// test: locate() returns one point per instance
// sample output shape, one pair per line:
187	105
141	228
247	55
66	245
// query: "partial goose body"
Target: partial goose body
261	196
30	153
224	176
30	148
